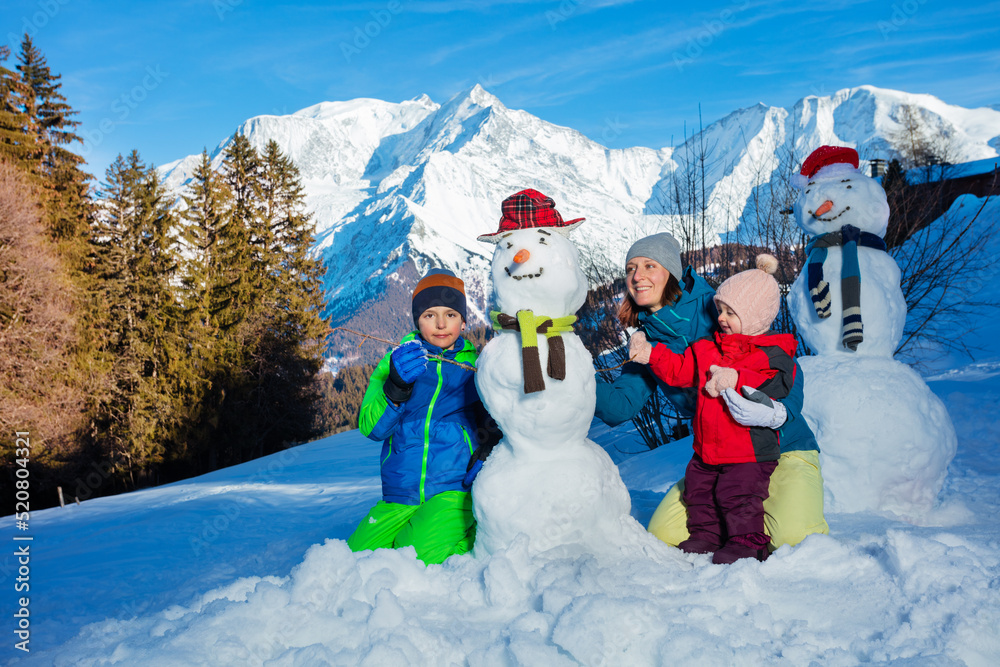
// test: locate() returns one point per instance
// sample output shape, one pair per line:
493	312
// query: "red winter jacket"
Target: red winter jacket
765	362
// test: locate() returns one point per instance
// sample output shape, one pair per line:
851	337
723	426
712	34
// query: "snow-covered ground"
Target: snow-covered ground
249	566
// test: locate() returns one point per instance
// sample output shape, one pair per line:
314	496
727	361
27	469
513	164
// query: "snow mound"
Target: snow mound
823	601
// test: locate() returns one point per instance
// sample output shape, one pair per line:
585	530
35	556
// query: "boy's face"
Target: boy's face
728	320
440	325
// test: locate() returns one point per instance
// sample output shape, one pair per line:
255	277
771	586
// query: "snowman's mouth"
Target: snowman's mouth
526	275
846	209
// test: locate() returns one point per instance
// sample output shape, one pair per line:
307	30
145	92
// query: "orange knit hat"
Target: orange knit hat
753	295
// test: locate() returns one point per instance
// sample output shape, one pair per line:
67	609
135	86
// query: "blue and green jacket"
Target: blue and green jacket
427	440
693	316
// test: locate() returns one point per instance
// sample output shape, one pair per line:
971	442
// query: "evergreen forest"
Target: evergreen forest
146	338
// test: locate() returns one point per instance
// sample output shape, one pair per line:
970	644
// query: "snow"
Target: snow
885	439
119	581
249	566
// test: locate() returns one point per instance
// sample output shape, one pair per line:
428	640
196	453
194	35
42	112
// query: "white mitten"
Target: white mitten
639	348
751	413
722	378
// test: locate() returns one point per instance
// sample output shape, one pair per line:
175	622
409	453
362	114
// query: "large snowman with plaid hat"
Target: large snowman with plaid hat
885	439
545	483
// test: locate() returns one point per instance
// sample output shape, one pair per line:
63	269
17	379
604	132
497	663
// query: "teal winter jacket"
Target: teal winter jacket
692	317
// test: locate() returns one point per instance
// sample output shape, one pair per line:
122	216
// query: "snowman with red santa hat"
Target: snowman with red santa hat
885	439
545	485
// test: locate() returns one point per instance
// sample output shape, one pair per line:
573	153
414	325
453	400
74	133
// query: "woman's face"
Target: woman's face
646	280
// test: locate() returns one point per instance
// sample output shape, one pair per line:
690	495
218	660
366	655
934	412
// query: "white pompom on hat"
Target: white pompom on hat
753	295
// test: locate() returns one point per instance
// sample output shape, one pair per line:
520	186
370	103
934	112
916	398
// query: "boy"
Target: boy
727	480
426	411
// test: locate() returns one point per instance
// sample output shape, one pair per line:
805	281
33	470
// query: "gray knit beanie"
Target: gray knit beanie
661	247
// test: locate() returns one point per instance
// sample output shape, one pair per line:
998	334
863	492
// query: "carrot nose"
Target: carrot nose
522	256
824	207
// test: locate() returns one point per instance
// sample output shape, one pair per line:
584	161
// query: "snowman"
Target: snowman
885	439
545	479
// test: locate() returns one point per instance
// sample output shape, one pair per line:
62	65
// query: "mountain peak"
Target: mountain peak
424	100
480	96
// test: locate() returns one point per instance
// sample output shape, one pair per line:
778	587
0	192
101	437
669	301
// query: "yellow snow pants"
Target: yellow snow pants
793	509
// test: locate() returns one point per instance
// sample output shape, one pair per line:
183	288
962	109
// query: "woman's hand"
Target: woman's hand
722	379
639	348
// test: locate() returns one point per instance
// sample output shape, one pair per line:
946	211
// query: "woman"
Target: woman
676	312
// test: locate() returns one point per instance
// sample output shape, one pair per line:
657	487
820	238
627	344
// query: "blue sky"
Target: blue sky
170	78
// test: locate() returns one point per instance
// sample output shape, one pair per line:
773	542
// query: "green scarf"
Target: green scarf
530	325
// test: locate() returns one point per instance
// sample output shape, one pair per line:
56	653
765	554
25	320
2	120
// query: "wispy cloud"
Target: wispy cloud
449	6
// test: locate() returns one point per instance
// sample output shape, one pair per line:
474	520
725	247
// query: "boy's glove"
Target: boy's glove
406	363
722	378
639	348
476	463
755	410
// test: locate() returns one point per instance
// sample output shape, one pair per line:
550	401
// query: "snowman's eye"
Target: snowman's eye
509	244
541	240
807	192
848	187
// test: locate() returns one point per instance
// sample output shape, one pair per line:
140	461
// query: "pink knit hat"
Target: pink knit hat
753	295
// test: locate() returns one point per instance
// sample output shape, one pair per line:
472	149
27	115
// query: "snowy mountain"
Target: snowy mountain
398	188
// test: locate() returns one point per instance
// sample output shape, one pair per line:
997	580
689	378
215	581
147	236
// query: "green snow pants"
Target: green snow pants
437	528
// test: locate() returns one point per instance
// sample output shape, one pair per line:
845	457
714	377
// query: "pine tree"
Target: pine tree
208	214
239	292
16	145
298	329
253	304
136	316
271	338
236	301
50	129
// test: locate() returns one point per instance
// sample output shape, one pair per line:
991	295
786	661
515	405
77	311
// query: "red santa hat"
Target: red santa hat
832	158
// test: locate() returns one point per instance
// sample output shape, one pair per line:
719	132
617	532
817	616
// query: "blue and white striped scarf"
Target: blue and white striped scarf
849	237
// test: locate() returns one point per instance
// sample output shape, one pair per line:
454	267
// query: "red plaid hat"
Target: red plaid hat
528	209
824	156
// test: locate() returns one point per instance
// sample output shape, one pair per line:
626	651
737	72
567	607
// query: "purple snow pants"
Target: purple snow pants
725	501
